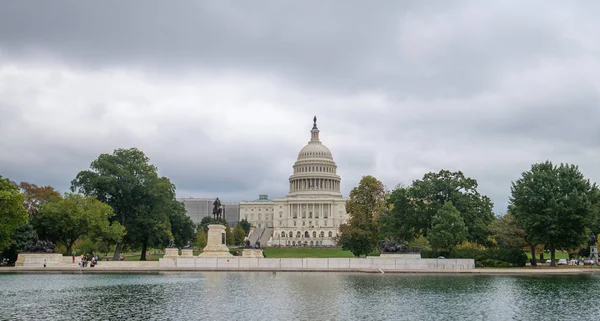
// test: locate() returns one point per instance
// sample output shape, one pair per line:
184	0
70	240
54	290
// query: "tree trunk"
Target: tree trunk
552	256
144	248
542	255
70	248
117	255
533	261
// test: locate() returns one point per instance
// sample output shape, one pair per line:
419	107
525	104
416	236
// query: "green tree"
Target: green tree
245	226
415	208
508	233
554	205
150	226
201	238
395	223
22	235
207	220
66	220
228	235
238	235
182	227
12	213
140	198
447	228
366	203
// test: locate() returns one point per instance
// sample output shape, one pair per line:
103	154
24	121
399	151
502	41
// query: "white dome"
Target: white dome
315	171
315	150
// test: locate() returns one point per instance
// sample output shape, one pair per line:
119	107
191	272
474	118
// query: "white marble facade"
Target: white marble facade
312	211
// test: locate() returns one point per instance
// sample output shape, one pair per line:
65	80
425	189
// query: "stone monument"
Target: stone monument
38	254
252	250
171	250
187	250
216	243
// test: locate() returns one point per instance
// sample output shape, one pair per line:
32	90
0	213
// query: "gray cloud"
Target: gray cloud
220	94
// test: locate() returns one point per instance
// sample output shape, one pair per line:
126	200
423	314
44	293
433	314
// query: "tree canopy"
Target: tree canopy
12	213
366	203
554	205
447	228
65	220
36	195
412	209
140	198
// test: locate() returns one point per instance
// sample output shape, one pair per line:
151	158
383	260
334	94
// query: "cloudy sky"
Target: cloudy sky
221	94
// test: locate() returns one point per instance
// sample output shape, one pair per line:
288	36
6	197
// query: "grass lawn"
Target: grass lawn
559	255
301	252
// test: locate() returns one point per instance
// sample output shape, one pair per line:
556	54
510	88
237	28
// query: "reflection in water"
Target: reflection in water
297	296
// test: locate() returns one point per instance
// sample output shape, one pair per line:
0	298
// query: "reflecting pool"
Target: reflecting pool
297	296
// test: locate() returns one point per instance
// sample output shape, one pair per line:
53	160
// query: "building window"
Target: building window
306	234
280	214
314	234
322	234
309	214
294	223
303	223
298	235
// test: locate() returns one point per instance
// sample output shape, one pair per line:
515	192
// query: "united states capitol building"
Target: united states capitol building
310	213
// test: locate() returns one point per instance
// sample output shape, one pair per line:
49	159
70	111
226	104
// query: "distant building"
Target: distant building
199	208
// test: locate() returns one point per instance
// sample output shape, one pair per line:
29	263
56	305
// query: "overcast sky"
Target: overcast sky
221	94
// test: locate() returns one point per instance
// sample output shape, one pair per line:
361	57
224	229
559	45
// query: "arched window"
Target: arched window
293	243
298	235
322	234
282	234
306	234
314	234
330	234
292	234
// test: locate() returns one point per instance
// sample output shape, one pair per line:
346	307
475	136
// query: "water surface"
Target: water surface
297	296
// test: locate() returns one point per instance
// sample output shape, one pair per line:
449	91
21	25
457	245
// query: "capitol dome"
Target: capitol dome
315	170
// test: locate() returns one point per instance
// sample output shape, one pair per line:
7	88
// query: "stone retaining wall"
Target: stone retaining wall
321	264
38	259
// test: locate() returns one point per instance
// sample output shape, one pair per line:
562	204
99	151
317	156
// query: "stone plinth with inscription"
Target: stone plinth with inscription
216	243
187	252
38	259
252	253
171	252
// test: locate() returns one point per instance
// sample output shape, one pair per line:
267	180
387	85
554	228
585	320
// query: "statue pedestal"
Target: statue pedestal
171	252
187	252
594	252
252	253
215	245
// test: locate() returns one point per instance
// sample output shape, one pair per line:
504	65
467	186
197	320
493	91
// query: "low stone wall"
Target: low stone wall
320	264
38	259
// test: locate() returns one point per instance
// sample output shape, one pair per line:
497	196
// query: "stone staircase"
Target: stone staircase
262	235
